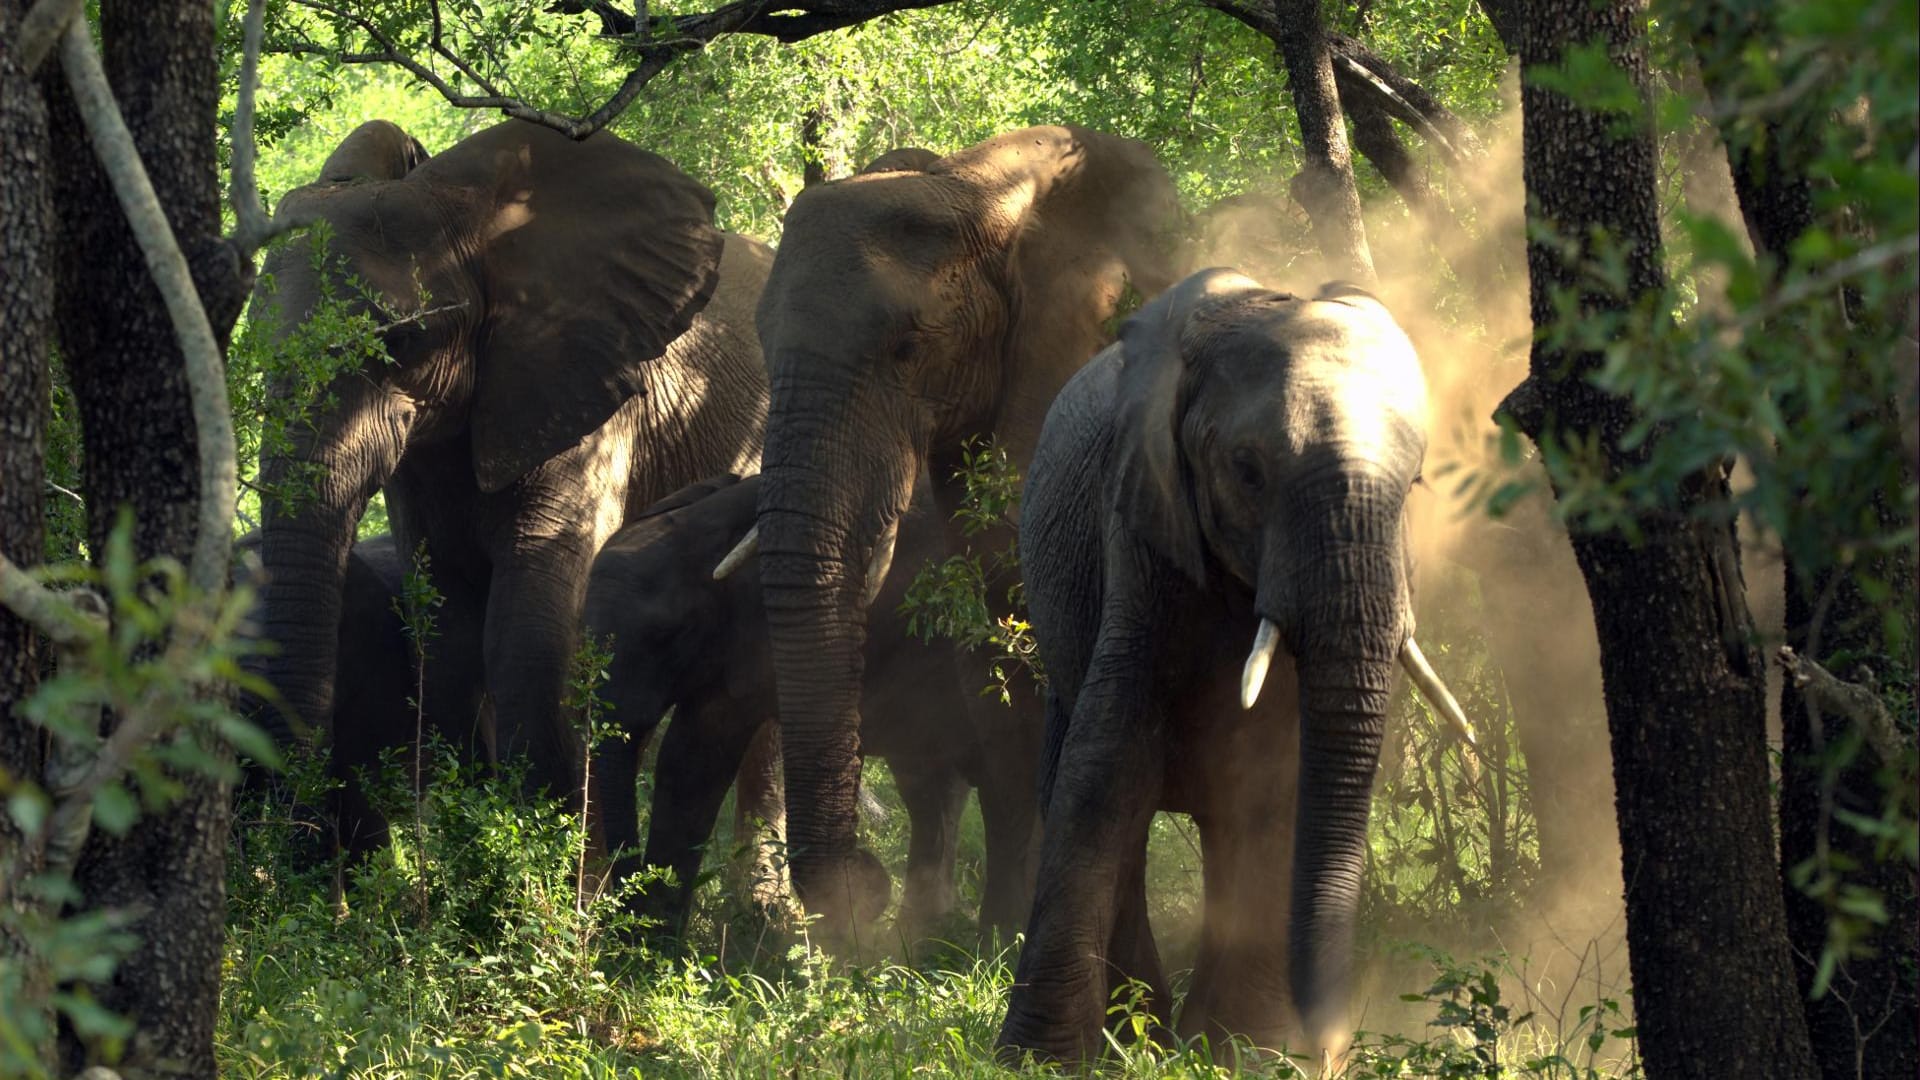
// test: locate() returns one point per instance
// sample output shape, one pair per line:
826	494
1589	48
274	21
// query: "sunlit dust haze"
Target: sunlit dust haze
1454	273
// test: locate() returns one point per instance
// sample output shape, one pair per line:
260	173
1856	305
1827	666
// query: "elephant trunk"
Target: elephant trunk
1348	615
826	506
316	494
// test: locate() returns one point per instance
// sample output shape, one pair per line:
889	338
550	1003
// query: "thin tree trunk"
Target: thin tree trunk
129	380
1865	1026
1713	986
26	313
1325	184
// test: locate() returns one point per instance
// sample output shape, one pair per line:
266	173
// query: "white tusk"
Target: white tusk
742	551
1435	691
1254	675
882	560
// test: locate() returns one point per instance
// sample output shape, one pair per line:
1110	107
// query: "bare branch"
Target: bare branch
53	614
1850	701
40	30
1395	105
206	373
251	226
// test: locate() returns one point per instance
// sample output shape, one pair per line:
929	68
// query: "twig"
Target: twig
40	29
206	373
1851	701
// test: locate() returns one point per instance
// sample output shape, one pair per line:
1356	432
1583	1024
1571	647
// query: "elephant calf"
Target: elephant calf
686	641
1233	470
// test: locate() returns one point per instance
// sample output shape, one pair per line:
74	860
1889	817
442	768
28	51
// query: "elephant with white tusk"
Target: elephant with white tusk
1234	469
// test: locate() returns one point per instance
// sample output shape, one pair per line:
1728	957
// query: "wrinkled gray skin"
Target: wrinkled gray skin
686	641
906	312
377	683
1239	454
586	349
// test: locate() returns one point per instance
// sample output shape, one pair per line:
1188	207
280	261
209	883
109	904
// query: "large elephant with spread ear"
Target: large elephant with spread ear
570	337
907	311
1234	470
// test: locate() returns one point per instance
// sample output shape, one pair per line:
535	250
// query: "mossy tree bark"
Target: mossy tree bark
1713	986
136	416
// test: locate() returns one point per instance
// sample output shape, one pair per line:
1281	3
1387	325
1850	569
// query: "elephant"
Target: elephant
1233	469
570	338
907	312
686	640
378	682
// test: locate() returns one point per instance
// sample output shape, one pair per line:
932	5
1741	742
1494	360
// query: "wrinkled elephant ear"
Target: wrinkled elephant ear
1149	487
376	150
593	257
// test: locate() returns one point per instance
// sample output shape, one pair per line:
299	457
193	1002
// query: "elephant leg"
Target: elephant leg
759	819
699	758
613	805
1010	810
935	796
1133	957
533	614
456	683
1240	976
1102	798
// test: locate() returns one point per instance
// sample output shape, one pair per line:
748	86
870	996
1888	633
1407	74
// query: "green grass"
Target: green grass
496	969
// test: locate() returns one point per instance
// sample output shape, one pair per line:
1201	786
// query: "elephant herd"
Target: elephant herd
603	415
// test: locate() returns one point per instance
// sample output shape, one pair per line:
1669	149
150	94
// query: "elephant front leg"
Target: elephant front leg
1009	760
1104	793
699	757
760	820
935	796
1239	984
533	615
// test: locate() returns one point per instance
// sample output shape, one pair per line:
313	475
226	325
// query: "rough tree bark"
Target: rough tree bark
1865	1025
26	313
1325	184
136	416
1713	986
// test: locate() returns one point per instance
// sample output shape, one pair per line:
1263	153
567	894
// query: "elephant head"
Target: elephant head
905	312
1266	444
519	281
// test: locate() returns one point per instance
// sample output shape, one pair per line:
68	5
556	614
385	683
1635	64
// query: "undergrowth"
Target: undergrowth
498	967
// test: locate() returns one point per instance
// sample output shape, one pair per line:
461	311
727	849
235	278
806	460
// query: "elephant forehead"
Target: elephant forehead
1326	372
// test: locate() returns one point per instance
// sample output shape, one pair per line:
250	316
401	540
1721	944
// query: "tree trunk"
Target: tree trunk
1325	185
1865	1025
130	383
26	313
1713	987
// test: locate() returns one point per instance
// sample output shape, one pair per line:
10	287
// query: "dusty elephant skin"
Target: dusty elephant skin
1238	464
685	640
906	312
571	338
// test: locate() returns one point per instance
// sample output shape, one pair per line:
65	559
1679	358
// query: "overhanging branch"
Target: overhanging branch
654	41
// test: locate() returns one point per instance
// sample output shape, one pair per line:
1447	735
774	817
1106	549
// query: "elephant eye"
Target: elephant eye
1246	470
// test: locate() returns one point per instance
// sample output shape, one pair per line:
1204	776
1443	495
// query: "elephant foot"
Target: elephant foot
846	897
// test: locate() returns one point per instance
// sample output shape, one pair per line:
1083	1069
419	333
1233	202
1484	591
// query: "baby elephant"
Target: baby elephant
685	641
1232	473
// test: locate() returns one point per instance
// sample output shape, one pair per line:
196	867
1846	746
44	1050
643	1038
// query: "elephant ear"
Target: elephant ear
1150	488
593	257
1096	215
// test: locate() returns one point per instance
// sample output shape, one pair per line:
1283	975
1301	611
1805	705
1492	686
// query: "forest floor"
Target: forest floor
487	964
